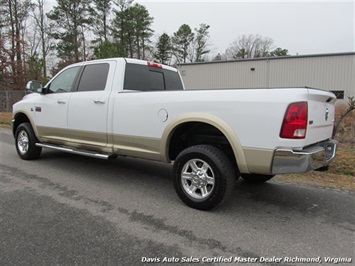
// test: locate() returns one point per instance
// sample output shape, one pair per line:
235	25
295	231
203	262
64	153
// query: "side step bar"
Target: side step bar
76	151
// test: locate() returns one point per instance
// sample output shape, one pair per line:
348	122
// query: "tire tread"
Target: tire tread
225	169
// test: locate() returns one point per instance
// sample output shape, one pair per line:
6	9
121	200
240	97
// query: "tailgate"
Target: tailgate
321	113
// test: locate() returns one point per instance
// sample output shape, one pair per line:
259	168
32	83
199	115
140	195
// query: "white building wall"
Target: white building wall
331	72
224	75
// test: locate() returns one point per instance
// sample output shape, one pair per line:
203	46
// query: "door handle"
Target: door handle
61	102
99	101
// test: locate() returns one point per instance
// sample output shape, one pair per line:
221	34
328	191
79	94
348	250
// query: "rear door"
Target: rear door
89	105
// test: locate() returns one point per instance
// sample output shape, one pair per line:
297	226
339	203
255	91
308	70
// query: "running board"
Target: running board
76	151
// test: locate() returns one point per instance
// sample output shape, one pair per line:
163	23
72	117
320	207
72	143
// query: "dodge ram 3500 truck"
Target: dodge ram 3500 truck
127	107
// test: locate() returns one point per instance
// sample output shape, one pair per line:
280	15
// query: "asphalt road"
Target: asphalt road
69	210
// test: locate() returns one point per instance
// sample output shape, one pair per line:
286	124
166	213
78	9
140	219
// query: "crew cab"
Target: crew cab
127	107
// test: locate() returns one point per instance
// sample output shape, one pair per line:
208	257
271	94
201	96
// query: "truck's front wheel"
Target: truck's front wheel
26	142
204	177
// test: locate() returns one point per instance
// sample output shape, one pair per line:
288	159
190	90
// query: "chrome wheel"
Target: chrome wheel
197	179
26	140
23	142
203	176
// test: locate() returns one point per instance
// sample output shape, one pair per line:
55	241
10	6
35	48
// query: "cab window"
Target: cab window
94	77
64	81
145	78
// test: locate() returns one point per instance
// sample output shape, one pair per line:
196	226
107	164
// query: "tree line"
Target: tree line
80	30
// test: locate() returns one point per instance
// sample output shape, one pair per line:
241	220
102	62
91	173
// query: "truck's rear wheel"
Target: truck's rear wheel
256	178
204	177
26	142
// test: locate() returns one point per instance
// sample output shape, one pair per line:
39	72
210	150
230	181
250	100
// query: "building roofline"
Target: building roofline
267	58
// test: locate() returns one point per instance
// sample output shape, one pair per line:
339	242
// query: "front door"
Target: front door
52	108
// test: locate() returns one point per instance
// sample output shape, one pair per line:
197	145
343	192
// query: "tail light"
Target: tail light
295	121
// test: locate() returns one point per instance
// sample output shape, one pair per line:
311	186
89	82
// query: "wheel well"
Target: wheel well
19	119
196	133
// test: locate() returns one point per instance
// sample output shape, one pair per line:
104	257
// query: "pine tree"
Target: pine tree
108	49
201	44
120	23
181	42
100	14
70	19
142	28
163	49
132	28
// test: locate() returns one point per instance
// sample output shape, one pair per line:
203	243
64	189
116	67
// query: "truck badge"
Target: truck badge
326	114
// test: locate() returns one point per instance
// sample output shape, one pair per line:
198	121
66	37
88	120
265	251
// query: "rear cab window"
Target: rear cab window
150	78
94	77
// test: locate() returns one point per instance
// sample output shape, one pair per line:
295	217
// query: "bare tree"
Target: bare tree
250	46
351	107
199	47
44	40
14	14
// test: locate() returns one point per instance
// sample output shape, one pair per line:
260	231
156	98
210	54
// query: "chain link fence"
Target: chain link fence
8	98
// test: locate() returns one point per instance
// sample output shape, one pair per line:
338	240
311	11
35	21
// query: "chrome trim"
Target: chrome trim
288	161
75	151
12	126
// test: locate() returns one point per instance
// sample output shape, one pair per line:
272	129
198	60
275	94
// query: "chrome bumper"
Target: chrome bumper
12	127
288	161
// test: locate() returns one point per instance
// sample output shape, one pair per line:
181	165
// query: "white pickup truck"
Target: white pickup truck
127	107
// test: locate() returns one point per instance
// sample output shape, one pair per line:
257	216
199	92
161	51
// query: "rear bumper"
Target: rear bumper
287	161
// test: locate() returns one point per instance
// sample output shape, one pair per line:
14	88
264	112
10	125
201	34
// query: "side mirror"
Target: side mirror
34	85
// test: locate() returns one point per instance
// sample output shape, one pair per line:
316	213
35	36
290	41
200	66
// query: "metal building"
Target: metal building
333	72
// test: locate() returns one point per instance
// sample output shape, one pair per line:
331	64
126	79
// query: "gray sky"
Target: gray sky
303	27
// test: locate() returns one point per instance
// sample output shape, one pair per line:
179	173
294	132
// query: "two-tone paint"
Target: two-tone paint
140	124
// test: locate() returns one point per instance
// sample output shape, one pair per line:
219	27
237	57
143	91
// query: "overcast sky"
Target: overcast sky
302	27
